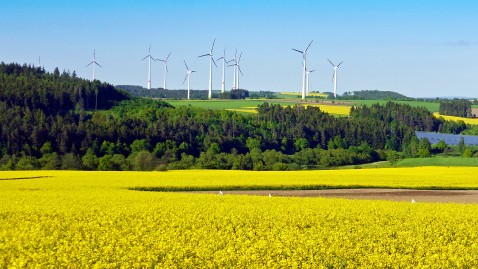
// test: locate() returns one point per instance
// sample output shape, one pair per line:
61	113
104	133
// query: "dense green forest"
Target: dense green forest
48	121
374	95
456	107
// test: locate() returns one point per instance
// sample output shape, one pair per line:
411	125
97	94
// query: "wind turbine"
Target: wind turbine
234	60
304	56
94	64
188	77
149	66
211	61
224	63
334	78
307	81
237	67
165	68
94	76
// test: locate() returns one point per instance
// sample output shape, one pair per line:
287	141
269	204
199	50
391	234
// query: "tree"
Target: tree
461	145
90	160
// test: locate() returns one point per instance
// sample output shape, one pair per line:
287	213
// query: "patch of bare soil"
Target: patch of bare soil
430	196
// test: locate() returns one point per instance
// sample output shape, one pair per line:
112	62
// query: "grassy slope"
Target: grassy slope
438	161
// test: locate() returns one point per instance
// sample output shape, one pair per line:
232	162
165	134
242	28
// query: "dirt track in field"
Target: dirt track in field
429	196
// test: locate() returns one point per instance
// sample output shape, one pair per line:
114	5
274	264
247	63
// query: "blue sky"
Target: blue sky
418	48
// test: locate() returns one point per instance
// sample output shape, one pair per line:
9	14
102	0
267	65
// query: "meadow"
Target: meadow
92	219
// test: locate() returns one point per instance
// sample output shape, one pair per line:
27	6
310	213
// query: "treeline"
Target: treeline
374	95
146	135
139	91
456	107
34	89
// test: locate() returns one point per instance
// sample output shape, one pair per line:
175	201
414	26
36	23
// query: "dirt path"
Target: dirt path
434	196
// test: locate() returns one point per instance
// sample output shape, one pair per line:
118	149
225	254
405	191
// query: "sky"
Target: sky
420	48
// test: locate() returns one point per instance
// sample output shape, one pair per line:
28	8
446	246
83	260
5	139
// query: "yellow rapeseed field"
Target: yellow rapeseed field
453	118
66	219
336	110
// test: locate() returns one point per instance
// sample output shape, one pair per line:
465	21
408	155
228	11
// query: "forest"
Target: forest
374	95
456	107
52	121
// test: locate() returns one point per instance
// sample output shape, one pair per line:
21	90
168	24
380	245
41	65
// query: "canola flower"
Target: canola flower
67	219
334	109
453	118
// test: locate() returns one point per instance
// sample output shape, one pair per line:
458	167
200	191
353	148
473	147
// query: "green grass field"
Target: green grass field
438	161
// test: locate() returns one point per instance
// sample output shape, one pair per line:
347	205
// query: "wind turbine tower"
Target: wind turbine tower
234	79
224	63
307	81
334	78
237	70
94	63
304	56
165	69
188	77
238	67
149	66
211	61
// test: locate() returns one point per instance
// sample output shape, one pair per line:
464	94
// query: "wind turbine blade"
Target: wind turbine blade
238	67
204	55
168	56
298	51
213	61
311	71
240	56
167	67
220	58
339	64
194	71
149	50
145	57
187	68
331	62
333	76
214	42
98	64
309	45
185	78
89	64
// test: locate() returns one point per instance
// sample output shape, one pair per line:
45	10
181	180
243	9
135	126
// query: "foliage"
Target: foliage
456	107
374	95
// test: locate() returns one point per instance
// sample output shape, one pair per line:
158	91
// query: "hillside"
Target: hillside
52	93
374	95
48	122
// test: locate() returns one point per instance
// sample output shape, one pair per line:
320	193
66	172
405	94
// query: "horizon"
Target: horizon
416	49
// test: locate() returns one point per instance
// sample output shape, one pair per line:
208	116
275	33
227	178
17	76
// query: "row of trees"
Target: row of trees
374	95
456	107
139	91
